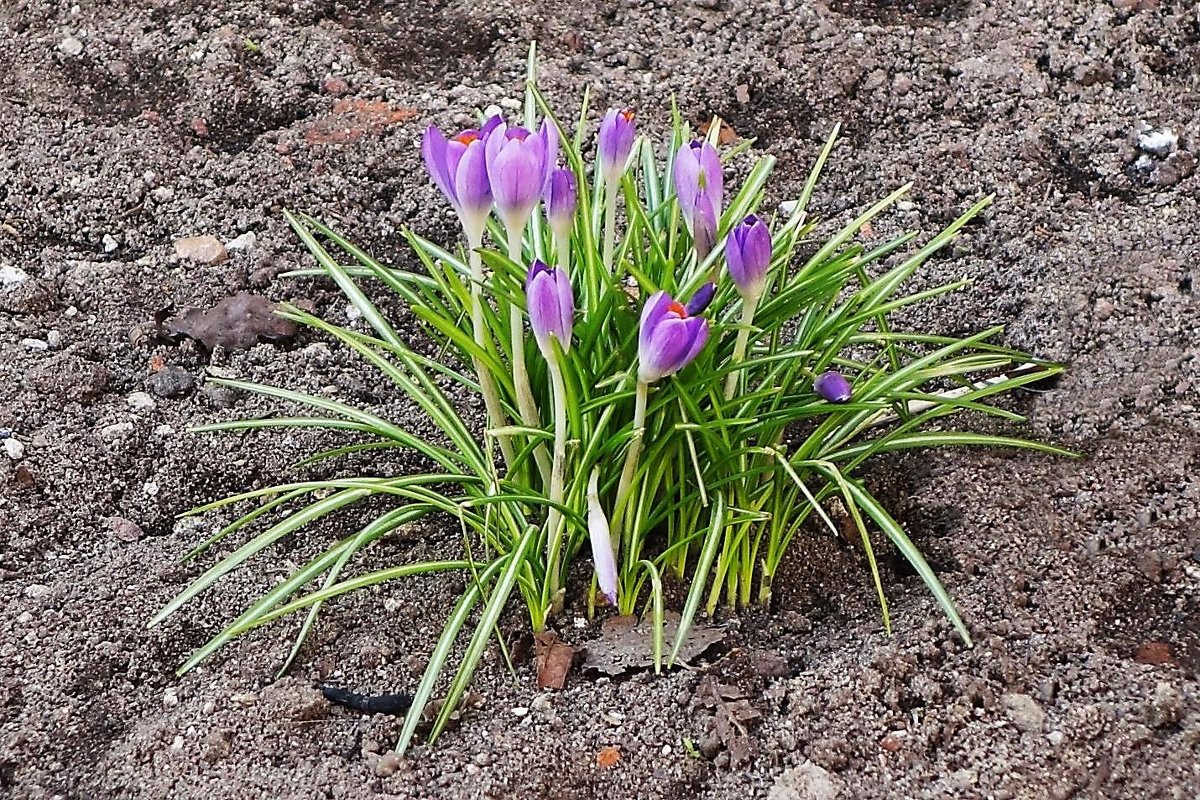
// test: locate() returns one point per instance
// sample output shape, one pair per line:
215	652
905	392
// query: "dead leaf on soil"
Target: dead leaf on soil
553	660
237	323
727	135
626	645
353	118
608	757
1154	653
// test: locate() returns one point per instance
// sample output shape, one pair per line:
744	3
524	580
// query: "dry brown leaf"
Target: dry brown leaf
626	645
237	323
553	660
608	757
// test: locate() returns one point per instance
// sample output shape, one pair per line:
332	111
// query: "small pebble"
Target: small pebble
246	241
1055	738
208	707
170	699
520	711
13	448
388	764
35	344
36	591
70	46
110	244
150	489
140	401
171	382
205	249
1157	142
124	529
12	276
54	339
483	759
116	430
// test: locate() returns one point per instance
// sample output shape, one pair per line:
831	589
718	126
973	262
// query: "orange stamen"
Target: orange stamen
627	115
678	308
466	137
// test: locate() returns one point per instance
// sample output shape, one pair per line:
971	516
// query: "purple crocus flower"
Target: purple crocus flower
559	199
617	131
668	338
519	164
700	187
458	167
748	253
701	299
601	539
551	306
833	387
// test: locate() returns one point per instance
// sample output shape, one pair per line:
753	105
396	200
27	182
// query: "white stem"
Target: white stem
562	246
739	347
525	402
554	518
610	218
631	458
487	382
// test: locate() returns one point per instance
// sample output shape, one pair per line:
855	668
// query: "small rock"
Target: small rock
150	489
806	782
177	744
771	665
1164	709
742	94
140	401
335	86
68	376
1157	142
162	193
541	704
613	717
1024	712
709	746
388	764
219	396
208	708
54	339
110	244
70	46
35	344
520	711
1103	309
13	448
201	249
36	591
245	698
12	276
125	530
171	382
116	430
246	241
483	759
1055	738
170	699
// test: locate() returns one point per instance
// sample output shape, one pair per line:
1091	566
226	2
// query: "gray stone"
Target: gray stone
806	782
1024	712
201	249
171	382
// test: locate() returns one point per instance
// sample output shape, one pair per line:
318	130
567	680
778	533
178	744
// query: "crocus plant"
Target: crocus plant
677	397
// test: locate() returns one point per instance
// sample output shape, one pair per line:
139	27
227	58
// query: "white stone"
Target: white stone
116	430
150	489
109	243
246	241
54	339
35	344
1159	143
11	276
71	46
13	448
139	401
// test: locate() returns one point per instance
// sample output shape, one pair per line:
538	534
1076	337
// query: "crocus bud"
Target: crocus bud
748	253
518	167
559	199
551	306
832	387
601	539
458	167
668	338
701	299
699	187
617	131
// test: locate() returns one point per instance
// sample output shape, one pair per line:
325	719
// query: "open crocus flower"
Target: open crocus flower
560	202
615	142
668	338
833	387
458	167
700	188
518	166
551	306
601	539
748	253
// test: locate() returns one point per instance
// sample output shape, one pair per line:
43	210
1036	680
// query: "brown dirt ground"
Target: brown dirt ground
124	127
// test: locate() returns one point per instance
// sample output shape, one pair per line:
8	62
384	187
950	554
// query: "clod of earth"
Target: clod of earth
236	323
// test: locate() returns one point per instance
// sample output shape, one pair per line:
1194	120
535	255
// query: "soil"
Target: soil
125	127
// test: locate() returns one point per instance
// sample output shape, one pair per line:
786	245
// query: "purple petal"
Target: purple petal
687	181
652	314
601	540
666	351
698	329
471	185
714	180
549	137
566	306
833	387
701	299
433	150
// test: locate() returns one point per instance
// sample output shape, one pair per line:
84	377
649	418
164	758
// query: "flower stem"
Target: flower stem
525	403
739	348
631	458
487	381
562	246
610	218
554	518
